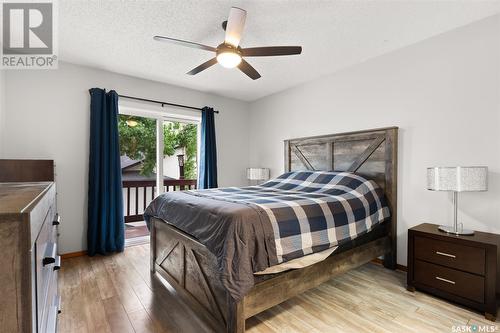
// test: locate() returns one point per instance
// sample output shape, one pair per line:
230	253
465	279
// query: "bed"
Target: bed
192	264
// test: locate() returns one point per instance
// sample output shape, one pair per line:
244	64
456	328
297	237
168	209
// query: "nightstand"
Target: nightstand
462	269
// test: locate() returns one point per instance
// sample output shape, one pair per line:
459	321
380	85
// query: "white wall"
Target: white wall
443	93
48	117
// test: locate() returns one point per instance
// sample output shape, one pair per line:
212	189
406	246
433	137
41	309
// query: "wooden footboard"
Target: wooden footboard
192	270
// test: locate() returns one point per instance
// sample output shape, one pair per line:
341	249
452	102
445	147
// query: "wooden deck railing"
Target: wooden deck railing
137	194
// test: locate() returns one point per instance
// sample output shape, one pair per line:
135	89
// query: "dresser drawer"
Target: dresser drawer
466	258
46	208
49	317
449	280
45	262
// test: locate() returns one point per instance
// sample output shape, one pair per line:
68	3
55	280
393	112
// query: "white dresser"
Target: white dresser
29	262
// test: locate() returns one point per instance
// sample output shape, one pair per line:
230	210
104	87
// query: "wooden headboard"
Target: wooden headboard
372	154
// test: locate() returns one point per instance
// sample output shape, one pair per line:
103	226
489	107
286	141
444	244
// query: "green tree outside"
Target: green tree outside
139	142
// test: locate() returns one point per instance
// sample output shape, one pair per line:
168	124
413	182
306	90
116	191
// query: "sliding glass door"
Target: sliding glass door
158	154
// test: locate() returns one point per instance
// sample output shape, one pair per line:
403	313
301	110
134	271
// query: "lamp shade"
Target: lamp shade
458	179
258	173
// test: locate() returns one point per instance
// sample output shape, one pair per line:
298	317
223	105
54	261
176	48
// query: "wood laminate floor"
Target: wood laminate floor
117	294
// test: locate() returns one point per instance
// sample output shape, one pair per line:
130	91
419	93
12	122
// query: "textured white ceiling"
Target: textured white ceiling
117	36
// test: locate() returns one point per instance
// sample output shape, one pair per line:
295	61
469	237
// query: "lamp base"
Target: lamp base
451	230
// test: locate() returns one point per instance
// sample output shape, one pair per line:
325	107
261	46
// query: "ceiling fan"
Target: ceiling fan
229	54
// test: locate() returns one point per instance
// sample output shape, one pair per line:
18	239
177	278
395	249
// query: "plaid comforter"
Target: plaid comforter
311	211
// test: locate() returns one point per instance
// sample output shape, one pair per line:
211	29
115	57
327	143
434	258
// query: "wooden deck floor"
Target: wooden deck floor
117	294
137	229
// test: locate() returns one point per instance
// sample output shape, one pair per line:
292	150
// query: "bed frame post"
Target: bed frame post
236	316
391	192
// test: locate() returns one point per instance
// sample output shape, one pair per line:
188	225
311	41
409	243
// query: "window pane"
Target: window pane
180	150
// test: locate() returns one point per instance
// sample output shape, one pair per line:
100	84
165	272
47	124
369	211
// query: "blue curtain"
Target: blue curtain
207	177
105	203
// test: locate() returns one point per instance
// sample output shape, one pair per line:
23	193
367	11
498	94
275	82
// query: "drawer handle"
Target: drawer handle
446	254
57	303
57	220
445	280
50	254
57	263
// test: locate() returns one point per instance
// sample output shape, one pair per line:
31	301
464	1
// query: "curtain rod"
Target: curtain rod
162	103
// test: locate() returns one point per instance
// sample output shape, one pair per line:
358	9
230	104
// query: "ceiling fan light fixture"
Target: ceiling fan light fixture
228	59
229	54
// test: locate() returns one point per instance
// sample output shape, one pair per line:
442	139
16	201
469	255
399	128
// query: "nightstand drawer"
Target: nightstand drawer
452	281
466	258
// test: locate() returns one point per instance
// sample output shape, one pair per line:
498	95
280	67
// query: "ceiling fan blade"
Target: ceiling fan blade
203	66
184	43
235	25
270	51
246	68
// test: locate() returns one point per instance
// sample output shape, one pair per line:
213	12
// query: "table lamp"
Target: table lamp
257	174
457	179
